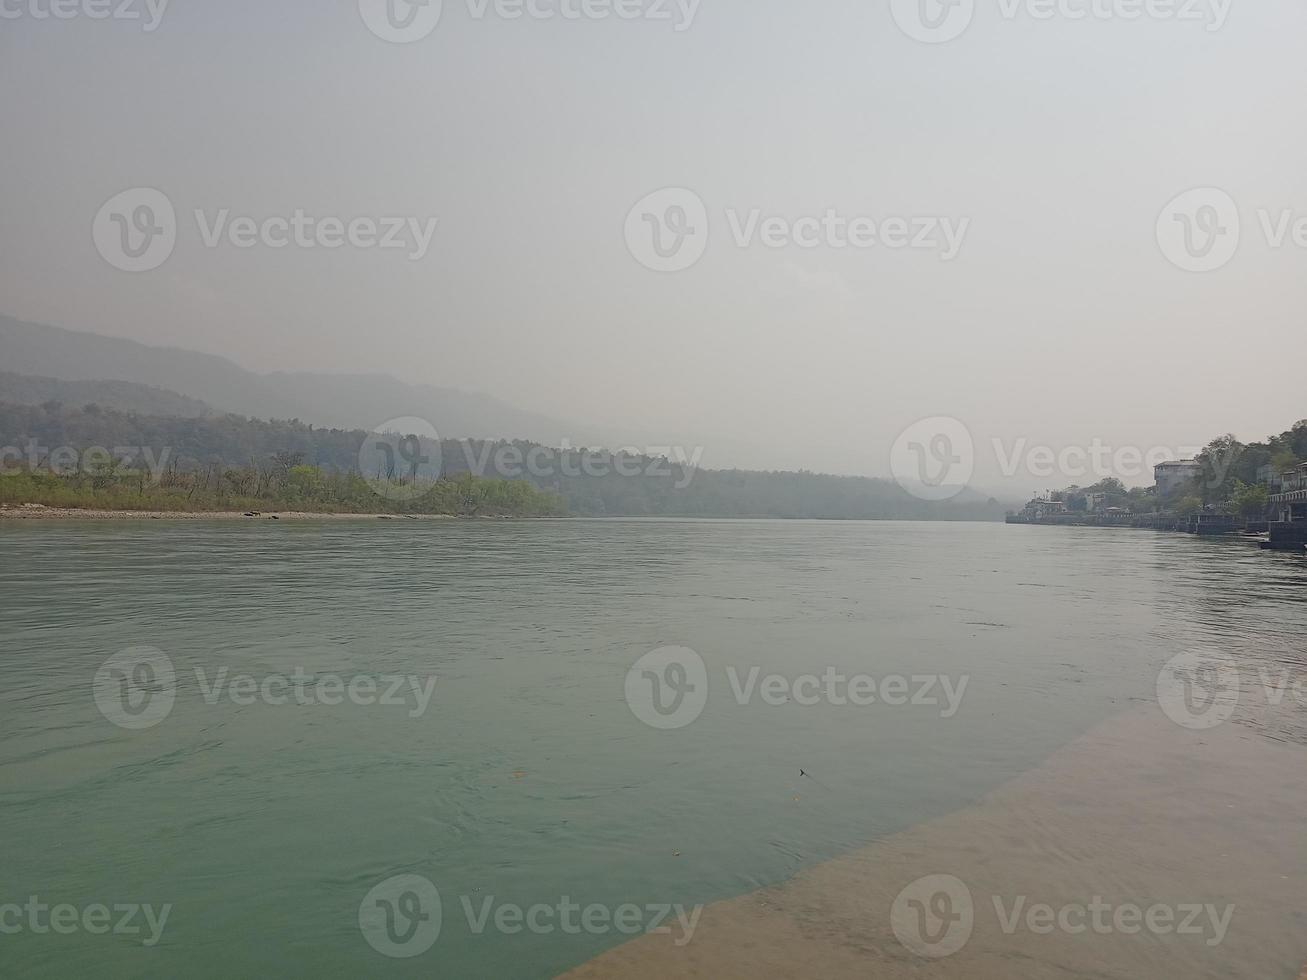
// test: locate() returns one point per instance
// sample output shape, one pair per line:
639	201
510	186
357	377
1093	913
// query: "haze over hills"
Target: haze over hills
347	401
40	363
183	401
333	400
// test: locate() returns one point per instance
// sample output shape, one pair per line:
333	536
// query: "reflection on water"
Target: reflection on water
528	778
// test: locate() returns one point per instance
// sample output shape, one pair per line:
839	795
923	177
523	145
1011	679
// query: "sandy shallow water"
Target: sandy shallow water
1139	811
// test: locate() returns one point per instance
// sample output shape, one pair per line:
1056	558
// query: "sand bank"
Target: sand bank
1137	812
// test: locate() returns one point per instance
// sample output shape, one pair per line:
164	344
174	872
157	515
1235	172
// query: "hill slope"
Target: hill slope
342	401
121	396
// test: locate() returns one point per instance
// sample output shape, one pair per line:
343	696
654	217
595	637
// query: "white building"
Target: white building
1176	475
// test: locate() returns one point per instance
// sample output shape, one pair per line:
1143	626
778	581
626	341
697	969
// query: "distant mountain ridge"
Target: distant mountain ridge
346	401
121	396
188	381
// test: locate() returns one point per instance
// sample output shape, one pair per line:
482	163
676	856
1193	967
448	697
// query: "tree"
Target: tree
1141	501
1108	485
1284	460
104	472
1250	501
1189	506
1218	461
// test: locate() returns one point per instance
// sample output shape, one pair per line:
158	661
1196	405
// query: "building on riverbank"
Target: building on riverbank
1177	504
1175	476
1288	510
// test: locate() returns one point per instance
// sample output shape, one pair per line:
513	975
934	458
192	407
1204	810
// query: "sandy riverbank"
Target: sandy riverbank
28	513
1138	812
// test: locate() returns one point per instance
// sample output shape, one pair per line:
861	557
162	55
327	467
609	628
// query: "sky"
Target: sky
979	204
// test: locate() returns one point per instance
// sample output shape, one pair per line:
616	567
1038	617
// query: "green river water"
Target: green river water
528	779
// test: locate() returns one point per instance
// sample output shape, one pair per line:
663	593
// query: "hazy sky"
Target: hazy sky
1051	145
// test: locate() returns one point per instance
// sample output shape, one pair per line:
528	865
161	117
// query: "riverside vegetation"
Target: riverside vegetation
299	488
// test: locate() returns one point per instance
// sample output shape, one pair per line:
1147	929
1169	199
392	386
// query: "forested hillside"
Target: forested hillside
590	483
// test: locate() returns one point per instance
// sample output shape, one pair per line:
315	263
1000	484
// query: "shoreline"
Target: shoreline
46	512
24	512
